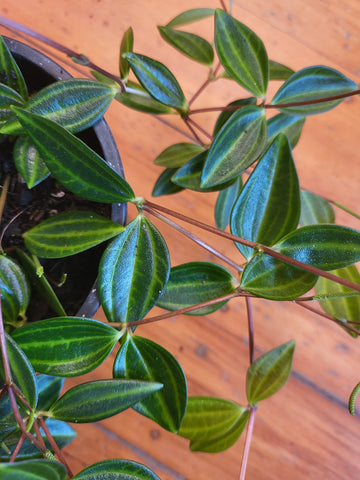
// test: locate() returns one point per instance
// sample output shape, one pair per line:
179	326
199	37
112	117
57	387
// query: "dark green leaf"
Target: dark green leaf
28	162
164	185
22	372
212	424
126	45
312	83
268	206
315	209
346	309
142	359
225	202
75	104
278	71
93	401
290	125
190	16
238	144
196	282
193	46
241	53
137	98
10	73
8	97
157	80
269	373
69	233
14	290
268	277
49	390
66	346
325	246
133	272
176	155
116	470
33	470
226	114
73	163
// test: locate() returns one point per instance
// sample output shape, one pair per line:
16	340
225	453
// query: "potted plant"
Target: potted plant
249	160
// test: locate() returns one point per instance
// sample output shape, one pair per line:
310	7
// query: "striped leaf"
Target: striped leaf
33	470
225	202
73	163
49	390
145	360
190	16
133	272
291	126
178	154
137	98
66	346
212	424
238	144
28	162
157	80
116	470
93	401
226	114
196	282
315	209
8	97
164	185
10	73
75	104
312	83
241	53
268	206
69	233
189	44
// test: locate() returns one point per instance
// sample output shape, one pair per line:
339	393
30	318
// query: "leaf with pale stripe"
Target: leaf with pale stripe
28	162
225	202
178	154
38	469
315	209
10	73
8	97
116	470
290	125
164	185
190	16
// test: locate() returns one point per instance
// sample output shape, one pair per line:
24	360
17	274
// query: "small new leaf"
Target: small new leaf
126	45
190	16
269	373
164	185
178	154
28	162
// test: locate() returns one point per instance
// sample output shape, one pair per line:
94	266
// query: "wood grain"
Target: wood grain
305	430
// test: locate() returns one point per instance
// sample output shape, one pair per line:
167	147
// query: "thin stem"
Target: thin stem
314	101
250	330
17	448
246	452
193	132
346	209
223	6
36	428
3	195
199	127
195	239
228	108
258	247
200	90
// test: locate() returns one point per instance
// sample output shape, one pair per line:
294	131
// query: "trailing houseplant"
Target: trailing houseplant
281	260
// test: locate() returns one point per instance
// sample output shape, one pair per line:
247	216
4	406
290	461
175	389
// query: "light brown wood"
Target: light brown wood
304	431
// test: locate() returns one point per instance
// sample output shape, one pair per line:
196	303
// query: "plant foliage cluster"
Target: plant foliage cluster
287	236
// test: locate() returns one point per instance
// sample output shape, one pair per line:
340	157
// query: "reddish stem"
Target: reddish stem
251	330
249	434
17	448
314	101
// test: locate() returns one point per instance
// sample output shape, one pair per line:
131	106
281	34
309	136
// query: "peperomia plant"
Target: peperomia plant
287	237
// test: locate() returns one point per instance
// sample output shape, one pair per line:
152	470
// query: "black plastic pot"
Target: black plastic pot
40	71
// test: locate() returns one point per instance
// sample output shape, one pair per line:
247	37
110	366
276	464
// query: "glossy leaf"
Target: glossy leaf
8	97
269	373
270	278
196	282
28	162
291	126
133	272
66	346
268	206
145	360
21	370
73	163
226	114
345	309
157	80
225	202
49	390
278	71
14	290
116	470
69	233
33	470
238	144
315	209
189	175
164	185
213	424
10	73
190	16
241	53
325	246
137	98
312	83
189	44
178	154
126	45
75	104
93	401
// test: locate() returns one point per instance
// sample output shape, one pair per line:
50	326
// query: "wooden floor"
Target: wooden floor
305	431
